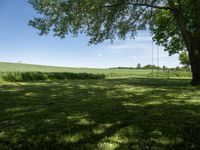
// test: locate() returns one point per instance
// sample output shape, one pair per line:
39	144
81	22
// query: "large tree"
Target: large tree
175	24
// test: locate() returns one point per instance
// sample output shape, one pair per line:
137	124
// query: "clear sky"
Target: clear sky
20	42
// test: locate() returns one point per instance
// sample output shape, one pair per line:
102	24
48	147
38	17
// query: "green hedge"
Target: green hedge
39	76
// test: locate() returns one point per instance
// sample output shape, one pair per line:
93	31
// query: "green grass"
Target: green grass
127	110
16	67
128	113
109	73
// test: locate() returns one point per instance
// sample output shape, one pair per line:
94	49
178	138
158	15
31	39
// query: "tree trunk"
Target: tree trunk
192	39
195	67
194	55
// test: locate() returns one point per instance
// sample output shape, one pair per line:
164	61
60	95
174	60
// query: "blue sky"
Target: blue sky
20	42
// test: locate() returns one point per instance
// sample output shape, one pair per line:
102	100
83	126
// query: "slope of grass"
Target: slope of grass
109	73
19	67
129	113
15	67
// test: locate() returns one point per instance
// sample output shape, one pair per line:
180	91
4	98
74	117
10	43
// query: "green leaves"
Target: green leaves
166	33
184	59
100	20
108	19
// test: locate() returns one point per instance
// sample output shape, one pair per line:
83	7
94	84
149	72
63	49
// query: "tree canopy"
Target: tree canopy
100	20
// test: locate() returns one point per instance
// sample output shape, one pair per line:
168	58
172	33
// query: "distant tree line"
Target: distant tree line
149	66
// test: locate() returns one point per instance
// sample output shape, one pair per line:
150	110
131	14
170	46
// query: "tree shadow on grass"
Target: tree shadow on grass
132	113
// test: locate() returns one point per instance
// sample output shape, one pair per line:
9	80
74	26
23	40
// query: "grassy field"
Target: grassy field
14	67
115	113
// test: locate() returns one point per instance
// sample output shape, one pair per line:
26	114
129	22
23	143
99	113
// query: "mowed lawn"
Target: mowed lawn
128	113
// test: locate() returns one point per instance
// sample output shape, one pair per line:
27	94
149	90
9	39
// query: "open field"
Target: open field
13	67
113	113
19	67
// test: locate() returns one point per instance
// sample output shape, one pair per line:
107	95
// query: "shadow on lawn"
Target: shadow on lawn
100	114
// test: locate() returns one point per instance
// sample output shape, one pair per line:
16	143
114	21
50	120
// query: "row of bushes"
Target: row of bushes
37	76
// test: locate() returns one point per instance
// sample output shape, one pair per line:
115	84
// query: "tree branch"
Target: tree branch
180	5
178	15
140	4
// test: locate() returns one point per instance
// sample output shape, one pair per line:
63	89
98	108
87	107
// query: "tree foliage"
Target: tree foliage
107	19
165	30
139	66
100	19
166	33
184	59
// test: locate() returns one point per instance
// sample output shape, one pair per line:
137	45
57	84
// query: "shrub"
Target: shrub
38	76
24	76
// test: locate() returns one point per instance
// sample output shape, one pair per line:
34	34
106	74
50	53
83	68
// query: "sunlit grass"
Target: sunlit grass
128	113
